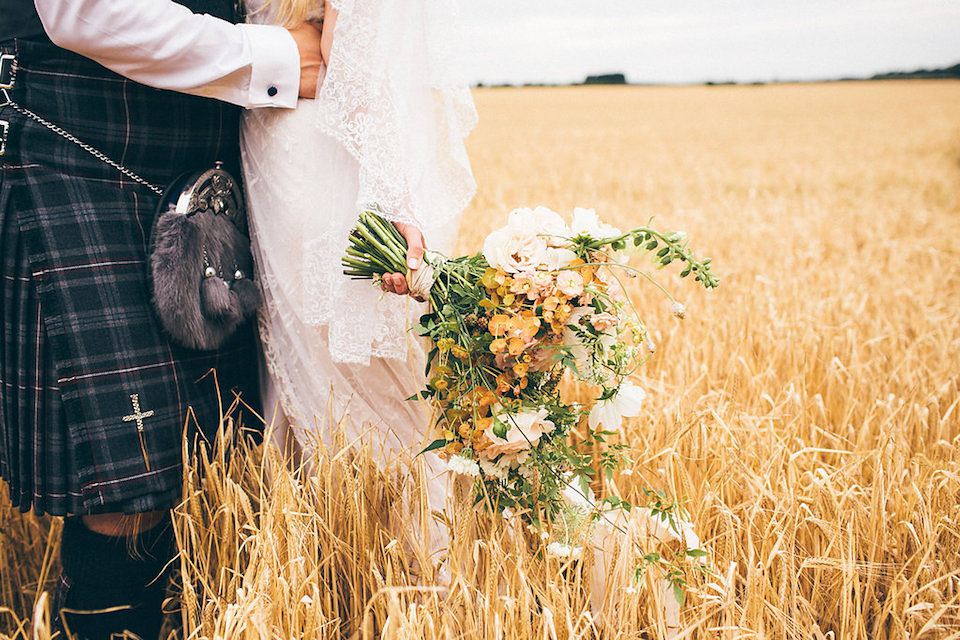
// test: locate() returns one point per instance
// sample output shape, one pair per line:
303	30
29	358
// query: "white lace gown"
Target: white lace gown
338	351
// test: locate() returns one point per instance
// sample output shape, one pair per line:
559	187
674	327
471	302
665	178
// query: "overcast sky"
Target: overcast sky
680	41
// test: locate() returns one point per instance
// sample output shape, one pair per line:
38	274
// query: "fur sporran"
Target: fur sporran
201	268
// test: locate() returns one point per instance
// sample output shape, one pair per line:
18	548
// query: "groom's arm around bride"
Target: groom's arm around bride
164	44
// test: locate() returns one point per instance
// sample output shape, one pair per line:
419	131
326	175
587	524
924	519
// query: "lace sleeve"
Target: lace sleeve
393	97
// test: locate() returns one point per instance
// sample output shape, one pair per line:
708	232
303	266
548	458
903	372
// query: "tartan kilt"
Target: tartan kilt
94	397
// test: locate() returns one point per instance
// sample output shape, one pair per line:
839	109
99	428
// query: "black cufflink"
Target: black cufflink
272	91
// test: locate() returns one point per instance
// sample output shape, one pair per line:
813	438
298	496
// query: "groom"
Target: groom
93	395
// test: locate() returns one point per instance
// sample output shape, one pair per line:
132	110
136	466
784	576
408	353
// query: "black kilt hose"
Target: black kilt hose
94	395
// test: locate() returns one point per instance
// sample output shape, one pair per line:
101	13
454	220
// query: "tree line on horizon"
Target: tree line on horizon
621	78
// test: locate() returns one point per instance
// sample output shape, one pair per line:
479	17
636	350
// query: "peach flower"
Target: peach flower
570	283
524	430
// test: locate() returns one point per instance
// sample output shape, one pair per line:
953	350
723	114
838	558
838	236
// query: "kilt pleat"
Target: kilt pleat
95	395
31	395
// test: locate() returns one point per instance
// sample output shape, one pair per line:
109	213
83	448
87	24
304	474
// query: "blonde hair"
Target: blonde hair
289	12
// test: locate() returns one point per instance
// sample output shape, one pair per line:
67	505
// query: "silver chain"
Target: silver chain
96	153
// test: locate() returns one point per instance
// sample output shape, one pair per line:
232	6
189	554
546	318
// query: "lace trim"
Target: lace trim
393	98
387	128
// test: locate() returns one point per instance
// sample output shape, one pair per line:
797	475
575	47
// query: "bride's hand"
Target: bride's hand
397	282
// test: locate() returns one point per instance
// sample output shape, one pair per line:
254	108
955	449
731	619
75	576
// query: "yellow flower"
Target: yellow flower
499	324
455	415
587	274
516	346
487	398
478	399
528	325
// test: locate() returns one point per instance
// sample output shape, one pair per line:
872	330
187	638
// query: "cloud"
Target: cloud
694	40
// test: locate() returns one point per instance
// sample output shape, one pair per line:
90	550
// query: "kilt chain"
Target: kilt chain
96	153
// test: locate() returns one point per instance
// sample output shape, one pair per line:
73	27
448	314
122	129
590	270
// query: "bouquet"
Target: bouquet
543	302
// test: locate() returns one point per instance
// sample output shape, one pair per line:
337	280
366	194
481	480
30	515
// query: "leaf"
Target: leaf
584	485
430	356
570	362
500	427
436	444
678	593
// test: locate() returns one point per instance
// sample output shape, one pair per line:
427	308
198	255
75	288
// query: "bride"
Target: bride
386	130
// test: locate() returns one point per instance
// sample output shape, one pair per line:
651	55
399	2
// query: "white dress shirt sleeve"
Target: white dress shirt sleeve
164	45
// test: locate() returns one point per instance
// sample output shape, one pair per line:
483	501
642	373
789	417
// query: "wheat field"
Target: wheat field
805	413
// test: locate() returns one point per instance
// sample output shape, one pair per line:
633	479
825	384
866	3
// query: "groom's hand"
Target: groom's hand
307	37
397	282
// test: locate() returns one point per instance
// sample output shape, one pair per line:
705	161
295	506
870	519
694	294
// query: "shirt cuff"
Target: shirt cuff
275	72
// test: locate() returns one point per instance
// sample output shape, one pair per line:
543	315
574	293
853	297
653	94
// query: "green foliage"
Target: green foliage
500	344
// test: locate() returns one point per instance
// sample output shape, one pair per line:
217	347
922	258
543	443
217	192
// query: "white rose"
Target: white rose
546	222
556	258
552	225
586	223
514	250
532	238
